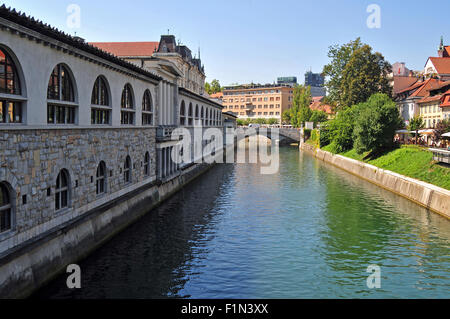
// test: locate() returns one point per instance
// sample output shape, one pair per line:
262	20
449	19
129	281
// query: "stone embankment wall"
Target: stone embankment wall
434	198
35	263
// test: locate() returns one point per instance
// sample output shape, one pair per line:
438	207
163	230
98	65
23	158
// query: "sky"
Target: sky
245	41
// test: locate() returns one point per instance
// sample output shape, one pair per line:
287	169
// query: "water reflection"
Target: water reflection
309	231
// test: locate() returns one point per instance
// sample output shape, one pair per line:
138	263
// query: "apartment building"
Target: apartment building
258	101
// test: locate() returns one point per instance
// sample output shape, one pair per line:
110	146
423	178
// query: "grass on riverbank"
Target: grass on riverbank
411	161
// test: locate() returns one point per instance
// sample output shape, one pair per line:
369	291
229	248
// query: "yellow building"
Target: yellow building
430	110
258	101
433	108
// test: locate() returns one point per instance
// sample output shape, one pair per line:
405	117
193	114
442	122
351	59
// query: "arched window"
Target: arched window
202	116
101	178
182	114
127	105
147	164
10	111
190	115
127	170
147	109
197	114
5	208
100	110
61	88
62	190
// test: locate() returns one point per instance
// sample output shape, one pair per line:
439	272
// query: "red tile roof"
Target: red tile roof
442	65
430	99
445	99
422	88
318	98
128	49
218	95
403	82
318	106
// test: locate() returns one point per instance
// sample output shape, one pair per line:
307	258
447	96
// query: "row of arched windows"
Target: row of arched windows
63	189
208	117
61	98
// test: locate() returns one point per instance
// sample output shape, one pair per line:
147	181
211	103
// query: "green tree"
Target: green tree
416	124
318	117
286	117
272	121
340	129
300	111
208	88
261	121
364	75
340	56
215	86
355	73
375	126
442	127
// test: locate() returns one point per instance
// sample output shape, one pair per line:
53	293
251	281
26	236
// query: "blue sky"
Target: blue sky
248	40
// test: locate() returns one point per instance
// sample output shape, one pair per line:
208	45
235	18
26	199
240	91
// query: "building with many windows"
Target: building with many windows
152	55
316	81
85	146
432	107
258	101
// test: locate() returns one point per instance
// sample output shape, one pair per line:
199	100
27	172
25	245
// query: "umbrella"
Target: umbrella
446	134
426	132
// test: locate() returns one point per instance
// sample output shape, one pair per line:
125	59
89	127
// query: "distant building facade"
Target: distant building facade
439	66
289	80
419	96
316	81
400	69
255	101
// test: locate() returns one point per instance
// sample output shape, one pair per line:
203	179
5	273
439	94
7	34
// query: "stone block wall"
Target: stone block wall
31	159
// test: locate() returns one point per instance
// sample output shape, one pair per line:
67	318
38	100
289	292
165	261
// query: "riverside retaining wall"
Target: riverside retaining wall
432	197
36	262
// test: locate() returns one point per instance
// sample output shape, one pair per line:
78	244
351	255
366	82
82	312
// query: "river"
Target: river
309	231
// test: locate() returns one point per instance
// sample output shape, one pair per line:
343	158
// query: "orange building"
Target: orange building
318	105
258	101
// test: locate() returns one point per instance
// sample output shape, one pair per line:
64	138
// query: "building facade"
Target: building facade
151	56
316	81
82	133
258	101
439	66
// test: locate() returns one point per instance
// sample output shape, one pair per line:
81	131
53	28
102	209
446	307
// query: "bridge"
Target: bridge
283	135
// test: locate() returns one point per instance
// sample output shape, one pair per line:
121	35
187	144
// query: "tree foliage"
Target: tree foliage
340	56
377	121
364	75
355	73
213	87
416	124
318	117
